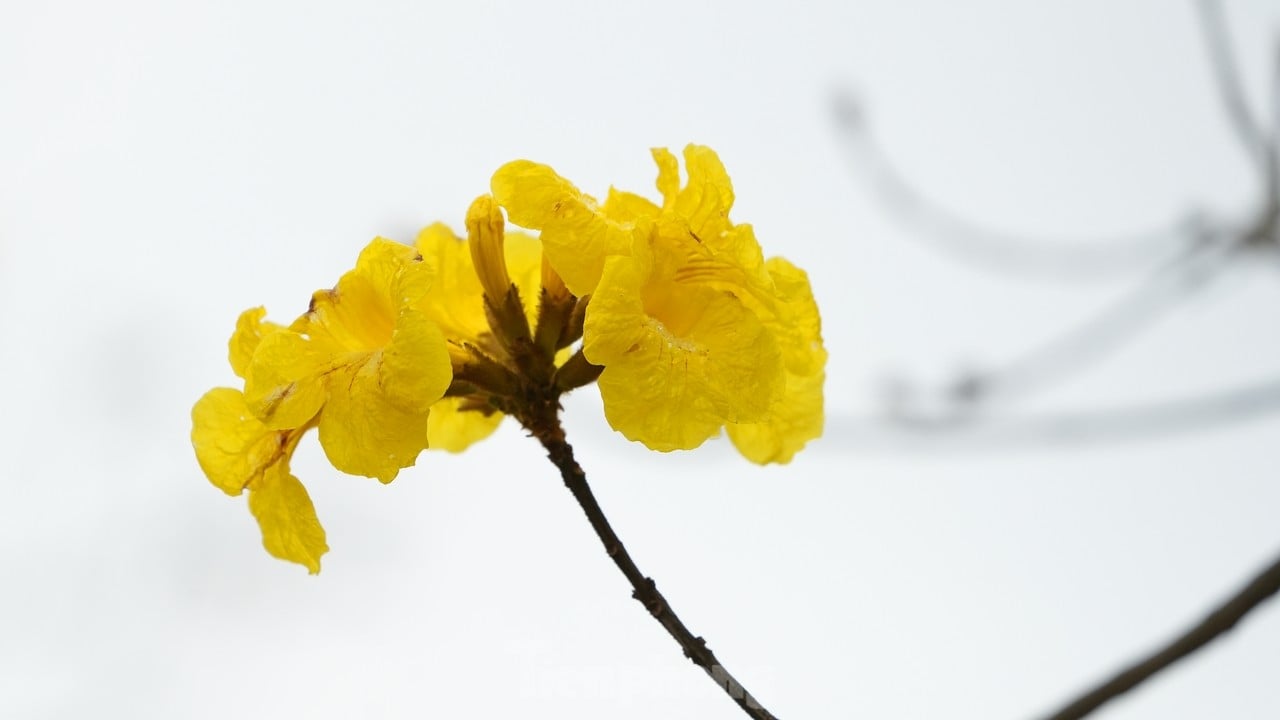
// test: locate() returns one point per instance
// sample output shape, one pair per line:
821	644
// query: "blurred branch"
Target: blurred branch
970	241
1182	258
1227	77
1223	618
1074	350
1236	405
1184	255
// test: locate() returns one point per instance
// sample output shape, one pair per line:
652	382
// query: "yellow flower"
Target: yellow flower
577	232
455	302
368	356
694	329
237	452
684	324
680	358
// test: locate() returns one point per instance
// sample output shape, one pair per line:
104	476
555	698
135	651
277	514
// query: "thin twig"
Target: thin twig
1074	350
1227	76
695	648
971	241
1117	424
1222	619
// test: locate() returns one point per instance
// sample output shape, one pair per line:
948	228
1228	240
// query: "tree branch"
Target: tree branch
1063	258
551	435
1222	619
1227	76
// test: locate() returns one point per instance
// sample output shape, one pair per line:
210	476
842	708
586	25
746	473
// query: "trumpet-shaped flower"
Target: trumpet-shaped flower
695	330
680	358
237	453
684	324
368	356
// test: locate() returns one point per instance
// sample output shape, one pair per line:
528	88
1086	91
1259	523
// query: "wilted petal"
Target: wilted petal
290	529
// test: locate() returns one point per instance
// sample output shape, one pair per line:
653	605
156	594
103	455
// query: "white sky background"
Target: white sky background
164	166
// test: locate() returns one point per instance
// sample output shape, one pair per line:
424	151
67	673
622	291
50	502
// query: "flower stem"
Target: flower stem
1220	620
551	435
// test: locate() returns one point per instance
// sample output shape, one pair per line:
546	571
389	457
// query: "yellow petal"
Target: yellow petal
622	206
706	200
414	370
455	301
359	313
284	387
524	262
250	329
453	429
356	316
795	420
363	432
290	529
796	322
680	360
703	204
664	413
232	446
577	235
533	194
396	270
668	175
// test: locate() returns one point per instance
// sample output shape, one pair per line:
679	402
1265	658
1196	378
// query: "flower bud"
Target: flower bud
485	237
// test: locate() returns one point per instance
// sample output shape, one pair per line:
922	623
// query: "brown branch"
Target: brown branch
1222	619
551	435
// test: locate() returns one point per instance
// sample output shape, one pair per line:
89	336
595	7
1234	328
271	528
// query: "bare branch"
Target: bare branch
1075	350
1219	45
1223	618
965	239
1192	414
544	424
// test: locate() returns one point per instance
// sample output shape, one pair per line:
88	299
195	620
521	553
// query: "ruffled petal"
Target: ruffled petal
363	432
795	419
796	322
395	270
680	360
284	387
577	235
232	446
290	529
668	176
706	200
414	370
250	329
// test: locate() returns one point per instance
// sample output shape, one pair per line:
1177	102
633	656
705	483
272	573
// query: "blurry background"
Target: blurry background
948	550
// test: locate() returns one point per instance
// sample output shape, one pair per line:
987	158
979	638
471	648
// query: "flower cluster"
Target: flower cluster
671	307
